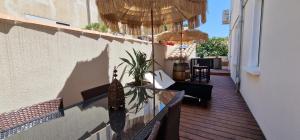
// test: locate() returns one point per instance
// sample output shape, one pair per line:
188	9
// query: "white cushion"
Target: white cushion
162	80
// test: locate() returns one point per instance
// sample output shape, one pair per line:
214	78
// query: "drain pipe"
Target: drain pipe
239	55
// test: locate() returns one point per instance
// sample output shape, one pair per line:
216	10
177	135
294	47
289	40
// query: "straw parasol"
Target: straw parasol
187	35
135	14
151	14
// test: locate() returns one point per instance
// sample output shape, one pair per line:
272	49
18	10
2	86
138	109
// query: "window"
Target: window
253	63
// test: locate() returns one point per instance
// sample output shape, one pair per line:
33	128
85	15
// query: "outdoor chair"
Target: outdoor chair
200	68
196	90
200	72
170	123
94	92
154	132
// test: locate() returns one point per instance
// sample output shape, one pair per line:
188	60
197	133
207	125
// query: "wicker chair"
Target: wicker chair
154	132
27	117
170	125
194	89
197	90
200	68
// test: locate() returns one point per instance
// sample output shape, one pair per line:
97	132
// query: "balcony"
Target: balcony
226	116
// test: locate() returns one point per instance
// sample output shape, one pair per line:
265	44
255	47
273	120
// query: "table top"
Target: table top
93	120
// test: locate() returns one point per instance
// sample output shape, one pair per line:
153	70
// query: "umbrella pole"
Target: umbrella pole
153	77
152	36
180	59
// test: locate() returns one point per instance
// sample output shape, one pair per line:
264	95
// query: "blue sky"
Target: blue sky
213	25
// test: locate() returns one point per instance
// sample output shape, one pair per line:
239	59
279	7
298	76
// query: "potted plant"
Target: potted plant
138	65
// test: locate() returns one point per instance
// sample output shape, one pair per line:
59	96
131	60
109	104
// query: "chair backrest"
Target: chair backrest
170	128
94	92
162	80
154	132
11	121
202	62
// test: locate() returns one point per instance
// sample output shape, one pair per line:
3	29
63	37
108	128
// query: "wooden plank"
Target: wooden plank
216	117
223	129
222	116
187	135
244	128
203	133
213	131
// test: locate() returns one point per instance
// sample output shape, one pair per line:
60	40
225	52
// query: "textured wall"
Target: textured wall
73	12
39	63
273	96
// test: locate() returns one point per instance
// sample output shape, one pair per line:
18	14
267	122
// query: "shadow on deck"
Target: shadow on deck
225	117
222	72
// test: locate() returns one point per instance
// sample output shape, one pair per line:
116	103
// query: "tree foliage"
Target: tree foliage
213	47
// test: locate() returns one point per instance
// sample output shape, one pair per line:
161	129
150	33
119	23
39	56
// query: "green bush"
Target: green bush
97	27
213	47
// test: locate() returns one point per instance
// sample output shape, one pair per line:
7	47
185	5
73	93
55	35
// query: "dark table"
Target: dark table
93	120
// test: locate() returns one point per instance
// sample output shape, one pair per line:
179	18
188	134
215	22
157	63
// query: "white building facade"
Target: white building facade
76	13
264	64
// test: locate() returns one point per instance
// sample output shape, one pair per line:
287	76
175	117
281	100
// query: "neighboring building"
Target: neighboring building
77	13
265	50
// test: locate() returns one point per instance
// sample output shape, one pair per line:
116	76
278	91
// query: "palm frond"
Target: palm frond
126	61
123	73
138	64
132	60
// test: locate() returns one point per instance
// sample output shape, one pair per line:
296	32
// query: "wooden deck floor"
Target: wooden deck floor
225	117
223	72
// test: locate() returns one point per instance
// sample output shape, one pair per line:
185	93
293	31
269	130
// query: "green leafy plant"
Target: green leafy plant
101	27
138	65
213	47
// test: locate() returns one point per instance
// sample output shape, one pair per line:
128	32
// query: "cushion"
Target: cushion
162	80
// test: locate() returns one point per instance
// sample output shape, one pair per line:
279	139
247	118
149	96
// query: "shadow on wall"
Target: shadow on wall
39	28
159	54
5	28
86	75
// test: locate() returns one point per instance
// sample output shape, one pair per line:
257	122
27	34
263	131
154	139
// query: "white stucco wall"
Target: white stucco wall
40	63
273	96
73	12
233	37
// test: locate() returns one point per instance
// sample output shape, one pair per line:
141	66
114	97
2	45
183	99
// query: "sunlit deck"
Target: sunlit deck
225	117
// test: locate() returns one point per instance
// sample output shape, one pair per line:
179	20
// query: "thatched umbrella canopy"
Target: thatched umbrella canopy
187	35
135	14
